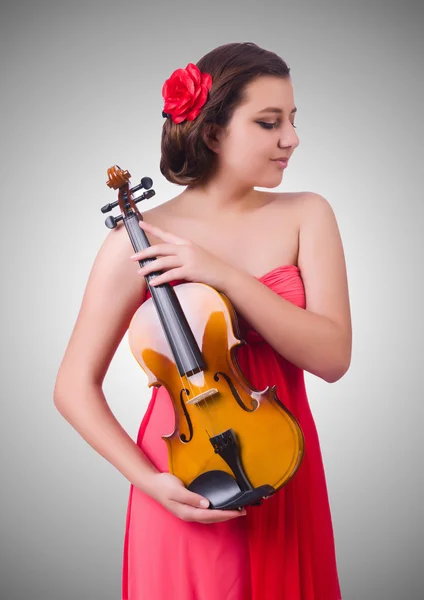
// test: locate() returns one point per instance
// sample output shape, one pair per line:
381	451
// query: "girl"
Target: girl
279	258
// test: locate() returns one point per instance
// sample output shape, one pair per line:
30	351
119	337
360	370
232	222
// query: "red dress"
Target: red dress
281	550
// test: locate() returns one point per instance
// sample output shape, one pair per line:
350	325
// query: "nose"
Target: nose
288	138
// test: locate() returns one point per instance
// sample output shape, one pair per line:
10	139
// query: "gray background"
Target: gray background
80	91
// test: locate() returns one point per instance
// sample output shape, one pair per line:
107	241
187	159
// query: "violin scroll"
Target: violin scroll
119	179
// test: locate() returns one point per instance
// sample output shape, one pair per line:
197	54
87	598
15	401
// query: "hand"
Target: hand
181	259
171	492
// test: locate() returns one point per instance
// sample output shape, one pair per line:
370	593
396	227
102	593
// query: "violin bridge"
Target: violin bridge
203	396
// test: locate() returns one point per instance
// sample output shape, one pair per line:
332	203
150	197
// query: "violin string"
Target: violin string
206	401
202	409
199	406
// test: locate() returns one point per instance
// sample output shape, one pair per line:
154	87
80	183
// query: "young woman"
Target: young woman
279	258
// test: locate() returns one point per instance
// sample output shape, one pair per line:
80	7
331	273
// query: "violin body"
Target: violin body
269	441
232	444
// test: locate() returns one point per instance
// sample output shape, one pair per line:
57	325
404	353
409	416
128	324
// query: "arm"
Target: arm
318	339
112	295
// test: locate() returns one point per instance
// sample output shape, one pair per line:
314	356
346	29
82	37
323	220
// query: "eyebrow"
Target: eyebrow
273	109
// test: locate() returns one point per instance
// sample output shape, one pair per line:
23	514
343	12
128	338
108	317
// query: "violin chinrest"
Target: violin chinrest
224	493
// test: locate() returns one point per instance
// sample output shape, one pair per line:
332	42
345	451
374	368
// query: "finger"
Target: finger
228	513
184	496
171	275
163	235
195	500
214	516
159	264
153	251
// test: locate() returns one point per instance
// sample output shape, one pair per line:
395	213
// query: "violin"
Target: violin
232	443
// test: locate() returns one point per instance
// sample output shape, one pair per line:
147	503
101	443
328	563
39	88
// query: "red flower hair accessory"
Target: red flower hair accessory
185	92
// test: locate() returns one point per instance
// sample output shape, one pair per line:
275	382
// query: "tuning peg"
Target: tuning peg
112	221
148	194
145	182
107	207
145	196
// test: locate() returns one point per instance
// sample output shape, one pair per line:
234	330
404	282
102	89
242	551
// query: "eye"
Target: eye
265	125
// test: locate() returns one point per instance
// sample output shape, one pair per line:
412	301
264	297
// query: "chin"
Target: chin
270	183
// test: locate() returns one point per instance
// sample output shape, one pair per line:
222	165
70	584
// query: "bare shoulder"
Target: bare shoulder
291	203
309	203
317	221
323	266
286	211
163	216
320	243
306	208
112	294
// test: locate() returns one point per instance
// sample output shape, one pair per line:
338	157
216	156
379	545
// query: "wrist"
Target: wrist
147	483
231	277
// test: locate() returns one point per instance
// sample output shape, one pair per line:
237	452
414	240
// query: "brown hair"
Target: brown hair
185	157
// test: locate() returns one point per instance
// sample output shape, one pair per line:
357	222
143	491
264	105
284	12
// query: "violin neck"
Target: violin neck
182	342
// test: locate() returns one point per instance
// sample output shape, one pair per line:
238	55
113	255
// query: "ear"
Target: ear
212	137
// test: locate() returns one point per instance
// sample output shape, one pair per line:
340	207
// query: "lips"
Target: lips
281	163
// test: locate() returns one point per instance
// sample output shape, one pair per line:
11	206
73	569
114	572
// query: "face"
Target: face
254	138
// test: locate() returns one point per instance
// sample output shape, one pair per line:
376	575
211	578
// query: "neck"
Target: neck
221	198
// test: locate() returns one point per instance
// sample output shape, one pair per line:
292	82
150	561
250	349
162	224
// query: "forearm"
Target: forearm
309	341
84	406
